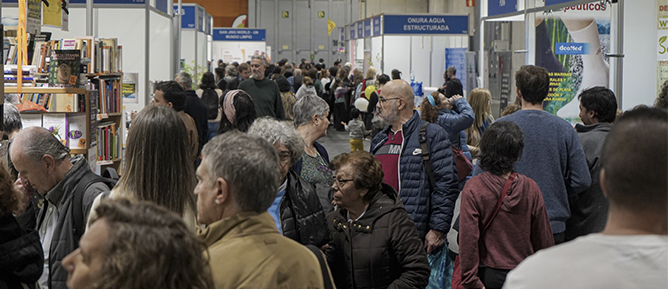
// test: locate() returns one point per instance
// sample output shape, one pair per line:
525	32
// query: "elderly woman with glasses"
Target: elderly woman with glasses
312	120
296	209
374	241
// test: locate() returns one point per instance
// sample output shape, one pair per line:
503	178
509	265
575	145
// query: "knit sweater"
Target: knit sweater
266	97
553	157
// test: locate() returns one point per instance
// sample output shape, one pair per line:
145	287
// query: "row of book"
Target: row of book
57	102
109	146
110	90
70	129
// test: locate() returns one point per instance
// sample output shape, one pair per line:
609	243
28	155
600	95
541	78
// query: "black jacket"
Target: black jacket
380	250
233	84
21	255
196	109
302	217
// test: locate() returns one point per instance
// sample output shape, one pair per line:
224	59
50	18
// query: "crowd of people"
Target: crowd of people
227	186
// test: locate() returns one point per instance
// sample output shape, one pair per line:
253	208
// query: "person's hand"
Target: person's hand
442	87
456	97
343	123
23	195
324	247
434	240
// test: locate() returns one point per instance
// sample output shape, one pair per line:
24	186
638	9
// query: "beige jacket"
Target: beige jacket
191	128
247	251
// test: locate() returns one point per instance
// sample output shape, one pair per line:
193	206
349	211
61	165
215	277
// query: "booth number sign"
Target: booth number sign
285	14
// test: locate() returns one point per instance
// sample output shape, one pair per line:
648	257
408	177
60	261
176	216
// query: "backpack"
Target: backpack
210	98
79	191
462	163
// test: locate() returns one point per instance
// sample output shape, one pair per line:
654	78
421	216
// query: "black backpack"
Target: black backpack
210	98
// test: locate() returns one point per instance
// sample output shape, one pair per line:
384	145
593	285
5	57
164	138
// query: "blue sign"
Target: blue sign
457	57
208	24
342	33
199	25
187	16
426	24
367	28
497	7
376	26
571	48
162	5
360	29
239	34
352	29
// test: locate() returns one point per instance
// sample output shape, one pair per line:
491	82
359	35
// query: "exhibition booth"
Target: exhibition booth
239	44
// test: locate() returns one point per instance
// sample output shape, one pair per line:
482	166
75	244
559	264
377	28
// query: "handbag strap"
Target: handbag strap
503	196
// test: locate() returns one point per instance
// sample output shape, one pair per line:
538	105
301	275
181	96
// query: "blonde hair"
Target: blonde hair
371	73
480	100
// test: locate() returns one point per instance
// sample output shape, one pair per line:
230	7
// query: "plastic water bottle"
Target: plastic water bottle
412	77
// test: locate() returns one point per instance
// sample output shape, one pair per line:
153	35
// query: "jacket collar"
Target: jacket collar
384	201
240	225
601	126
56	194
407	129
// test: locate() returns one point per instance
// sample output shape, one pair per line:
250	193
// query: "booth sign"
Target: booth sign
376	26
353	31
360	29
426	24
239	34
199	25
497	7
187	16
367	28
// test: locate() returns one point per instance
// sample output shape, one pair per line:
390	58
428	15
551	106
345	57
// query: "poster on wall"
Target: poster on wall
571	44
662	43
232	55
457	57
129	90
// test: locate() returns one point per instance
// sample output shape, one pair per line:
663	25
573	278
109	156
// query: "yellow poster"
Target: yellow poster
51	15
330	26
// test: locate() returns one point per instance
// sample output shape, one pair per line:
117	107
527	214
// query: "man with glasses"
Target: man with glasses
263	91
399	150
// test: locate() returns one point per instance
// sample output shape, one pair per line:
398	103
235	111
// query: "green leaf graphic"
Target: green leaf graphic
662	39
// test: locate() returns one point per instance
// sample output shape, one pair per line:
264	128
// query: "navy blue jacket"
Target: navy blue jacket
429	211
454	122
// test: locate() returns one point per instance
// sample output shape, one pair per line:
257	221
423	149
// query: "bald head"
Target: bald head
36	142
401	88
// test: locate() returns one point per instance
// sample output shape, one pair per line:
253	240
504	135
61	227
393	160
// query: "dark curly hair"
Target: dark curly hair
368	170
602	101
427	111
501	147
150	247
8	200
533	82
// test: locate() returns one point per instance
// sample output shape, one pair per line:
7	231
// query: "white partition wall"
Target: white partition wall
194	42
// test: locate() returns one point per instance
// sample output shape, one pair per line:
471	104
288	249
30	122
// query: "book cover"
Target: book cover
64	102
76	132
92	115
64	68
31	119
56	123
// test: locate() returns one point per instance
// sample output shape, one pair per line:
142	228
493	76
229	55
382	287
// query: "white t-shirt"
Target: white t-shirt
596	261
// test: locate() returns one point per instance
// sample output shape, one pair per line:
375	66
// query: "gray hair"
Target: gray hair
452	70
281	133
231	70
12	98
37	142
11	118
260	57
184	77
249	164
308	106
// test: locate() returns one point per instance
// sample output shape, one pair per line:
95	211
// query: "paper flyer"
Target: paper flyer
571	44
129	90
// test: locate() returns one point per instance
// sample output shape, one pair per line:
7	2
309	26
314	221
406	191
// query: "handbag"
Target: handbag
456	274
463	164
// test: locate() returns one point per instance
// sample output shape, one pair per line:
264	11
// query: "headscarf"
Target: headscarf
228	105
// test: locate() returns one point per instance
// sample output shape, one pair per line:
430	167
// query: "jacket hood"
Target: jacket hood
495	184
601	126
21	255
383	201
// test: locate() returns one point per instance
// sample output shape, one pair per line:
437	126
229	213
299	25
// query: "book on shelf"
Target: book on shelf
31	119
35	44
92	116
64	68
76	131
109	142
110	93
56	123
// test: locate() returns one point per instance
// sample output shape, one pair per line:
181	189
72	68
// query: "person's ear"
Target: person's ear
223	194
314	119
519	93
171	105
602	180
592	114
50	163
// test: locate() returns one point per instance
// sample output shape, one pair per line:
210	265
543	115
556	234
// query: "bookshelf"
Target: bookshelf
110	119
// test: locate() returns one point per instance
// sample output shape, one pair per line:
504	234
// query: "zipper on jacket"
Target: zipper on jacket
401	152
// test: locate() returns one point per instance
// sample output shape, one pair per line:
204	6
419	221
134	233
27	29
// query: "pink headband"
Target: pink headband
228	105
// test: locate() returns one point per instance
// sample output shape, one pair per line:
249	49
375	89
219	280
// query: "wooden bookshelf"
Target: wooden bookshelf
12	89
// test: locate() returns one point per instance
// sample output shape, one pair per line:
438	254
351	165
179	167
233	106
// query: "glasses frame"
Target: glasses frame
339	182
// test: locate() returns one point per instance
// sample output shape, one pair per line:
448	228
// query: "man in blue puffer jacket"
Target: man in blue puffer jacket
398	149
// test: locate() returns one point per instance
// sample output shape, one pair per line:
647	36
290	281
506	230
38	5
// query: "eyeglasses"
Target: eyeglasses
382	100
341	182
